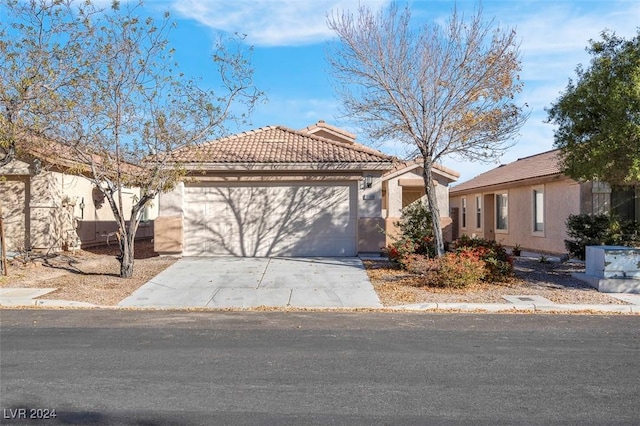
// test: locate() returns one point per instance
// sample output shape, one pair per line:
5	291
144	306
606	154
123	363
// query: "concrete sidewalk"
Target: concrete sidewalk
29	297
21	297
231	282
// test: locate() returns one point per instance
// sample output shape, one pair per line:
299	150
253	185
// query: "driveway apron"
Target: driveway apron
233	282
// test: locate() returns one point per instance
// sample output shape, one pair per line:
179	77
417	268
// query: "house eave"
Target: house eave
511	184
344	166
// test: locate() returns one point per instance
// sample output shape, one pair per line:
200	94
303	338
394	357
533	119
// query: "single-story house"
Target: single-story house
47	205
528	201
275	191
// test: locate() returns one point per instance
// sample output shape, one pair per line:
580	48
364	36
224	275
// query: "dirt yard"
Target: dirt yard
89	275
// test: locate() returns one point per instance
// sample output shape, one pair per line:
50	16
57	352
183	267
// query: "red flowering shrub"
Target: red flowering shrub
498	263
453	270
457	270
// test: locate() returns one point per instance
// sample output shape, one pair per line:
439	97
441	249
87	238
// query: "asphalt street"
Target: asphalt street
169	367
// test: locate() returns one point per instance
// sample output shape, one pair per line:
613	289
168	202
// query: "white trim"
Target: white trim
463	213
478	208
538	189
496	209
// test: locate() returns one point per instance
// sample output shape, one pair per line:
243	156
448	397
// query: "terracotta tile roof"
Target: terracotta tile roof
535	166
278	144
64	156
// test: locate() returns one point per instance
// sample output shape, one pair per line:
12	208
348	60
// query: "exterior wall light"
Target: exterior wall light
368	181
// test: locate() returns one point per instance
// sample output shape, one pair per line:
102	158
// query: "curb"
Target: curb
524	307
417	307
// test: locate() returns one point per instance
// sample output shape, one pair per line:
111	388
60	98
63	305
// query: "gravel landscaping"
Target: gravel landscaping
550	280
91	276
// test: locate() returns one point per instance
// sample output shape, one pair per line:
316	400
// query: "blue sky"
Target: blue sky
289	38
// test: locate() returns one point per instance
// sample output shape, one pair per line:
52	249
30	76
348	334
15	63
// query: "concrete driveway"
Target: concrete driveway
232	282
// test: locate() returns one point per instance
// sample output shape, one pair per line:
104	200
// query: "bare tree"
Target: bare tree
444	90
39	41
130	107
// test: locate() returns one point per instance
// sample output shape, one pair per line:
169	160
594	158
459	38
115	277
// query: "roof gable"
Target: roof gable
404	167
322	129
536	166
279	144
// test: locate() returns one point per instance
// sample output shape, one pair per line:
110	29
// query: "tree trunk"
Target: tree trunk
432	199
126	254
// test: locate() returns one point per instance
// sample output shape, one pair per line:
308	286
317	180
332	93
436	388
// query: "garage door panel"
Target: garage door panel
293	220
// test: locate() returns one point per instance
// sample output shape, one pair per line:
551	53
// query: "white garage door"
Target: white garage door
271	220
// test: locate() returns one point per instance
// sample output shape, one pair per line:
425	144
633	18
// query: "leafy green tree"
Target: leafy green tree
598	115
125	106
442	89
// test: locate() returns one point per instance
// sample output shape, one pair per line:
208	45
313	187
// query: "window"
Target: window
145	214
601	193
478	211
625	203
464	213
502	212
538	209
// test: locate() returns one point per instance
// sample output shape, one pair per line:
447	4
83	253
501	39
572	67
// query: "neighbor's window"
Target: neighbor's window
601	193
464	213
478	211
538	209
502	212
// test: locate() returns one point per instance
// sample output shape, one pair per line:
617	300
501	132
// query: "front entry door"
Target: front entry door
489	214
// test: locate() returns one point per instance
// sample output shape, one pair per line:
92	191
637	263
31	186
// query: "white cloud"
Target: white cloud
269	22
554	37
299	112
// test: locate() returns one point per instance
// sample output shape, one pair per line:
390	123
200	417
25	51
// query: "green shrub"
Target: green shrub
498	263
589	230
415	221
416	234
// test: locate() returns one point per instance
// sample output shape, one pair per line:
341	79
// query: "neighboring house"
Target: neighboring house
275	191
528	201
46	206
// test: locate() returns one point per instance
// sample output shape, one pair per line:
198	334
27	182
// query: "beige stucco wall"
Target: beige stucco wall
395	203
371	236
95	224
168	239
46	214
13	193
561	198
